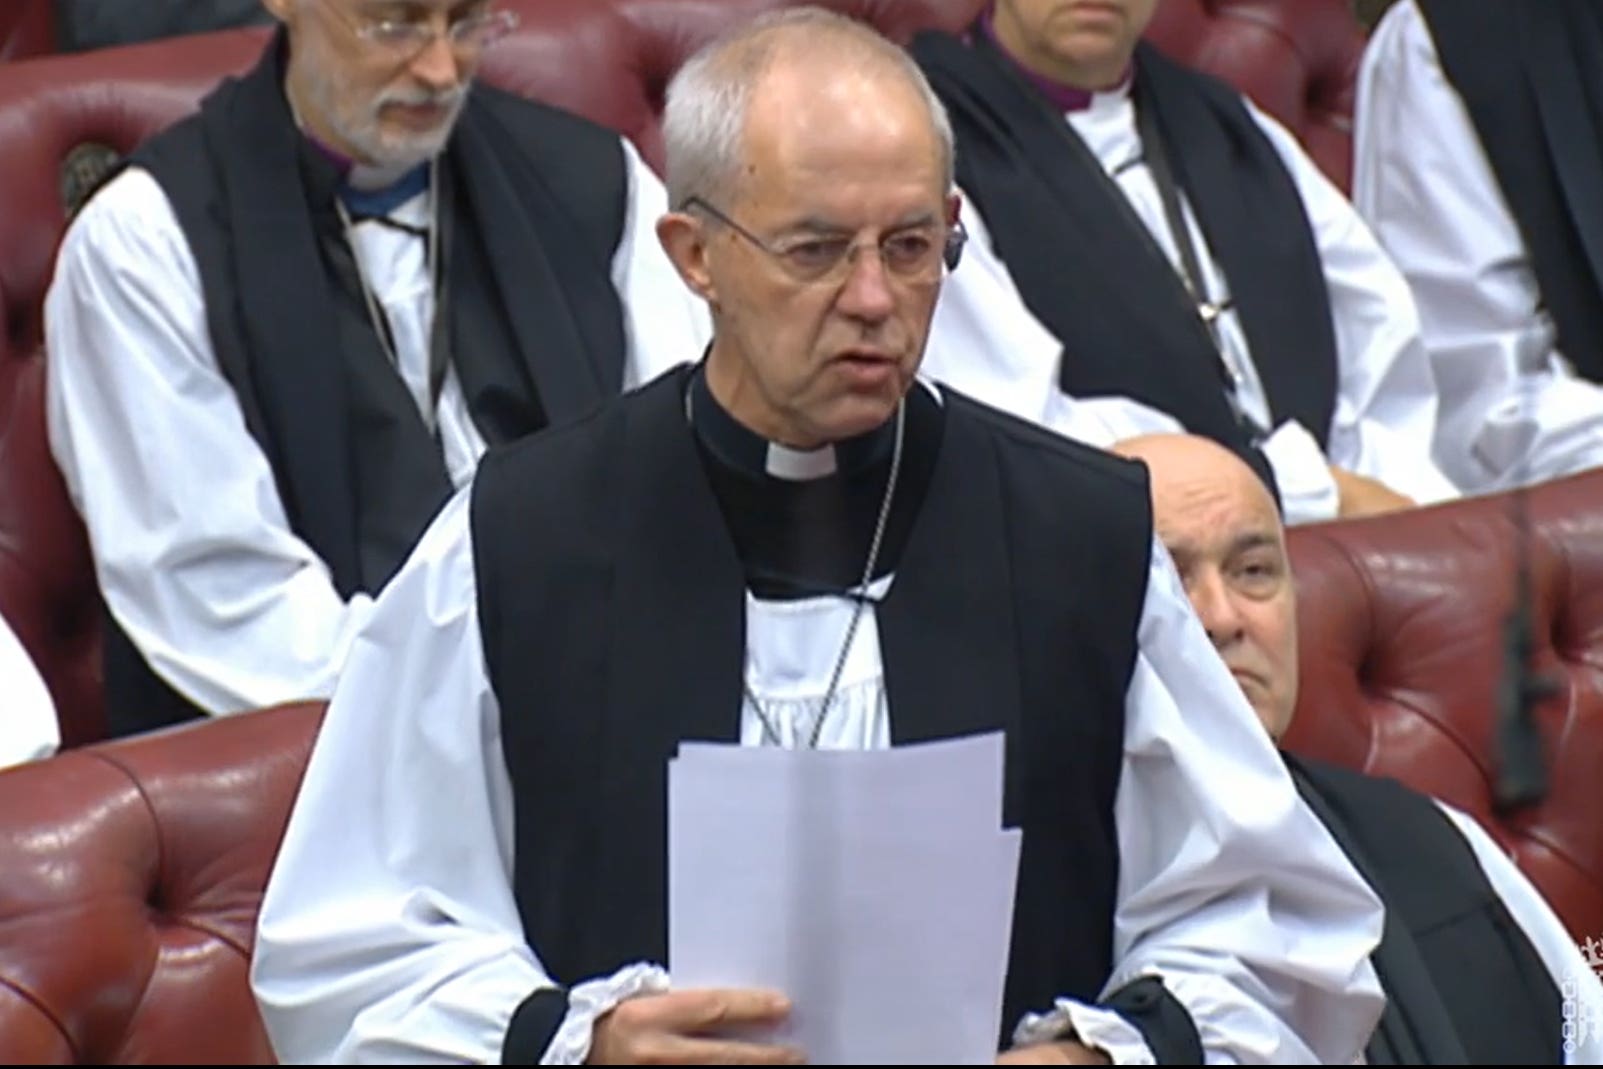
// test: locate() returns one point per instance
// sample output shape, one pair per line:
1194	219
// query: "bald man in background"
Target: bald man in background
1472	959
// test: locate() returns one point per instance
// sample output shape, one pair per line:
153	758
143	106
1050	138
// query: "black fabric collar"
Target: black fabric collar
948	634
803	538
738	447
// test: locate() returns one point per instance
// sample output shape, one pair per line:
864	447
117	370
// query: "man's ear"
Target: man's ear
684	239
279	9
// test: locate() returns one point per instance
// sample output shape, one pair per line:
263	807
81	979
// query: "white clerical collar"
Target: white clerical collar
744	450
800	465
1105	100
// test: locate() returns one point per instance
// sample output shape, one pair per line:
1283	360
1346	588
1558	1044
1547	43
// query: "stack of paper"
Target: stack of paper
873	888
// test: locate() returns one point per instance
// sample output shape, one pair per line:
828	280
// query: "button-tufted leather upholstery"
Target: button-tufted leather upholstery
607	59
130	878
1402	659
1298	59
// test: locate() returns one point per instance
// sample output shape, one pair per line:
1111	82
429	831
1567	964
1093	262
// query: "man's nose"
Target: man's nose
436	65
1216	608
866	293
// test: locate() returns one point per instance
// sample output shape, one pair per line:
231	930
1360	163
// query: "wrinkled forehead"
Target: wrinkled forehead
847	127
1213	514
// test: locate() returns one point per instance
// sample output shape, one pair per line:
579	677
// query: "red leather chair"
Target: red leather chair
27	28
130	878
1402	658
1298	59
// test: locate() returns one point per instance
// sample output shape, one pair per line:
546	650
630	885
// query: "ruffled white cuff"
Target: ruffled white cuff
589	1000
1103	1029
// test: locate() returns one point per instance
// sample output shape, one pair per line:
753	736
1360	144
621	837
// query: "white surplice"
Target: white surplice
192	547
390	932
1512	408
28	726
988	344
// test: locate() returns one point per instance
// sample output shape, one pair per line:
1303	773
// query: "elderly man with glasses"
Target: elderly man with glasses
795	543
284	334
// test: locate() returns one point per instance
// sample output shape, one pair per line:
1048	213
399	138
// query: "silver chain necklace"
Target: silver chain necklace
770	732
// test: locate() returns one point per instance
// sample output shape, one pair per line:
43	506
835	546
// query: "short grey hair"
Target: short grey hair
704	120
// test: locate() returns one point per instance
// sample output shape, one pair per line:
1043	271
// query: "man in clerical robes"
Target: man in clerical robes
283	334
1144	235
1474	962
795	543
1478	162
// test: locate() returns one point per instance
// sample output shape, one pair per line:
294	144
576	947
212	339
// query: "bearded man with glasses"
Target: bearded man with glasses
286	332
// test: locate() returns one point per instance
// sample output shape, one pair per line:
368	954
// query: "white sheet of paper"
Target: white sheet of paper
972	765
874	888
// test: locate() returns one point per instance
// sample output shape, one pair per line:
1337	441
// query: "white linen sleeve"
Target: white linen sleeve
1512	408
389	931
192	548
1384	426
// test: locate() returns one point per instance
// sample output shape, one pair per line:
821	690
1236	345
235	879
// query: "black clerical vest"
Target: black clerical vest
1463	982
1528	74
532	208
1090	270
612	608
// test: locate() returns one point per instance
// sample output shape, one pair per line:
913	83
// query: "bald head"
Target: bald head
1220	525
835	115
1192	474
